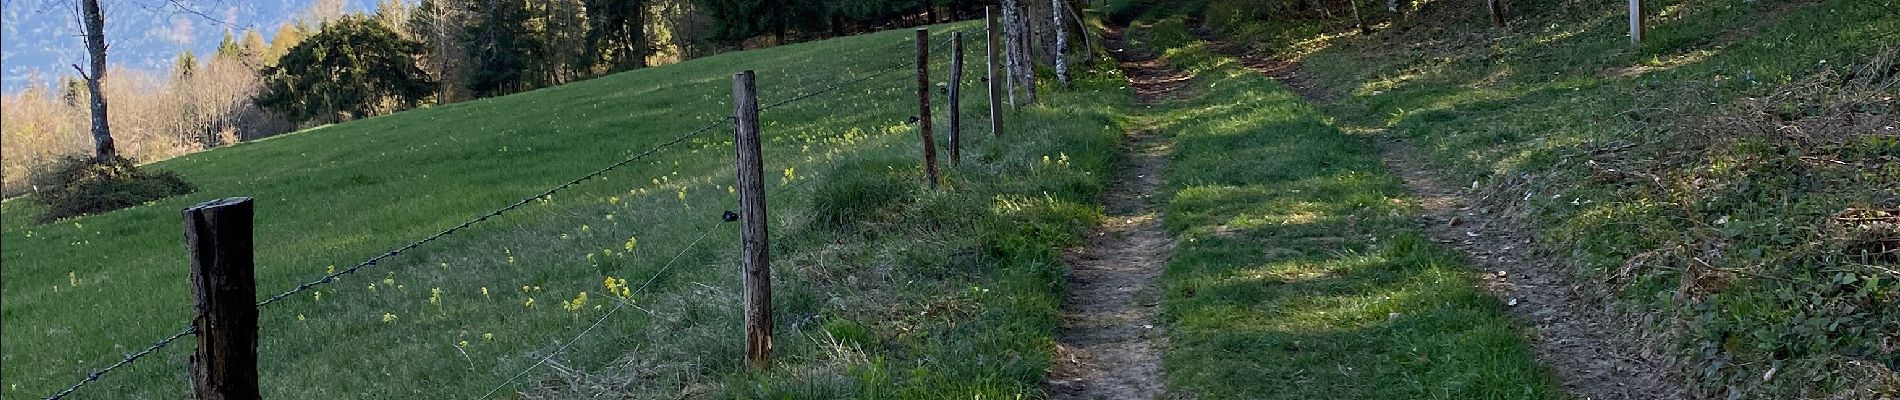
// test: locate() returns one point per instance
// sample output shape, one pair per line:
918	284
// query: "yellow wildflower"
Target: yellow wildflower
72	278
618	287
299	316
529	303
488	336
484	292
631	241
575	305
435	296
387	317
461	344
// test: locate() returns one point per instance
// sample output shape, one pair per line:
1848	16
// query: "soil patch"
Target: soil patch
1108	346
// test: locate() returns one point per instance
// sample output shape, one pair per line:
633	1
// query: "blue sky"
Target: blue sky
42	35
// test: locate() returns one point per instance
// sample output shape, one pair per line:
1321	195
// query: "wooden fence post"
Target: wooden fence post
956	98
223	279
996	82
1636	23
755	255
1497	12
923	105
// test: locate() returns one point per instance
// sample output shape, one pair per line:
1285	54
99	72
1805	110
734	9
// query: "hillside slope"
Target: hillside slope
1732	183
883	288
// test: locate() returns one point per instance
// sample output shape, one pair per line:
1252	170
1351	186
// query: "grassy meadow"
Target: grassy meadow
1698	176
1300	271
884	289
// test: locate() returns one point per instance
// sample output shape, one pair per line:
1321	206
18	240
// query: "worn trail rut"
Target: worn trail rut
1108	346
1596	352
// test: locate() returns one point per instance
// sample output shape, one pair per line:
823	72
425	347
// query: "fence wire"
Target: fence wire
373	261
94	376
610	313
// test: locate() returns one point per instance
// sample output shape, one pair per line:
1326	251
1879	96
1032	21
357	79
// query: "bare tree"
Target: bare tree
94	21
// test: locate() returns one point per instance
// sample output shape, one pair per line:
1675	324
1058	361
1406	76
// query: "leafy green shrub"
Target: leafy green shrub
859	187
77	186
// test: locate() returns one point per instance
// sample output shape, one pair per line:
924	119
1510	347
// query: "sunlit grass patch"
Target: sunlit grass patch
1300	272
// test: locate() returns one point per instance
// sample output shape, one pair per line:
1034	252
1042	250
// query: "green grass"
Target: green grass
947	293
1533	115
1300	272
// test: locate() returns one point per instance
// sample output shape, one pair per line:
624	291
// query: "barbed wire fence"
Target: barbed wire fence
706	230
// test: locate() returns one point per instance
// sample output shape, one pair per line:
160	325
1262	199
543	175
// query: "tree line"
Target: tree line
331	65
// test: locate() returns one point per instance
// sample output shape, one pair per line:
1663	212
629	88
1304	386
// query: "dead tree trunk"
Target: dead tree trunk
95	20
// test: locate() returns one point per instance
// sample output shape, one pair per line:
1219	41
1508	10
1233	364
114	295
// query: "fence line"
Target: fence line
376	260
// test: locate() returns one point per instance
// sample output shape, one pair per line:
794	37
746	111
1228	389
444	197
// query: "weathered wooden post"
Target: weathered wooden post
956	98
1636	23
1497	12
923	106
223	279
754	255
996	81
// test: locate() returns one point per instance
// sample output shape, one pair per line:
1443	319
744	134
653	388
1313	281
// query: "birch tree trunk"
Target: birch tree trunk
1025	48
1062	34
95	19
1010	63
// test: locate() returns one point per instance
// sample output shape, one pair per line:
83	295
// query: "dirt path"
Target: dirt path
1596	352
1108	346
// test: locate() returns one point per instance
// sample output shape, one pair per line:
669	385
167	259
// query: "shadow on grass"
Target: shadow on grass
1300	272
